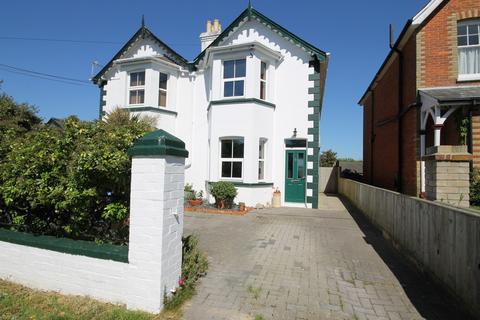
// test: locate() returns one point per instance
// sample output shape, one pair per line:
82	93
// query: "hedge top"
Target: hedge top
158	142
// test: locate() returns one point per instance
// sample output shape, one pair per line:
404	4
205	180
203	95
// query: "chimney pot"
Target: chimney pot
209	26
216	26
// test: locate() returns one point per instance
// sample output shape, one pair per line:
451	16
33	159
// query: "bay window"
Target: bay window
231	158
234	72
162	90
137	88
468	33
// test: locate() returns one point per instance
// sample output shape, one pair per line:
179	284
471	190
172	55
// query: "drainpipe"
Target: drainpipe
400	107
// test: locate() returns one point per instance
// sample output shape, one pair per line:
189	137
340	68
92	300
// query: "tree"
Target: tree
72	182
15	120
328	158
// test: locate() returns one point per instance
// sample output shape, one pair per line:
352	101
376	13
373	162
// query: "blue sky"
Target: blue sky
354	32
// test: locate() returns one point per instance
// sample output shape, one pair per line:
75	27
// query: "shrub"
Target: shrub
72	182
224	192
475	187
328	158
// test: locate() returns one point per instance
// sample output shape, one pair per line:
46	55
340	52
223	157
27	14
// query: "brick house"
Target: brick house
426	93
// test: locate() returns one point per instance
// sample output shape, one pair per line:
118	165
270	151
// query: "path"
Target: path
306	264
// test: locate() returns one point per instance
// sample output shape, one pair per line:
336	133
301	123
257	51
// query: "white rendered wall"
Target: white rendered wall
155	247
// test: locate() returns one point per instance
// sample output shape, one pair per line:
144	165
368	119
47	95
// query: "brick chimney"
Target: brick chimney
211	33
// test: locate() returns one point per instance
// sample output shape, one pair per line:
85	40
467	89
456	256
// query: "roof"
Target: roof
247	14
143	32
451	95
251	13
411	25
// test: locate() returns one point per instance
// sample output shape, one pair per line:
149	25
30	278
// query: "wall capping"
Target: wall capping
65	245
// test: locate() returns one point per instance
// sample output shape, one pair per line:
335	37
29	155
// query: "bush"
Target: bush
224	192
328	158
72	182
475	187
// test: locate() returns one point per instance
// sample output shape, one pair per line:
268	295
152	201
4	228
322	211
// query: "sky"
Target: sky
354	32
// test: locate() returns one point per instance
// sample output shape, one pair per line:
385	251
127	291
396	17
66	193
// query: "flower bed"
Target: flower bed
208	208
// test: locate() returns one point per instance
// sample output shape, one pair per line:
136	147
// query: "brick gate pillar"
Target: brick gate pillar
448	175
156	219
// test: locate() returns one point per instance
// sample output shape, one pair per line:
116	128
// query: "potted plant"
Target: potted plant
193	197
224	192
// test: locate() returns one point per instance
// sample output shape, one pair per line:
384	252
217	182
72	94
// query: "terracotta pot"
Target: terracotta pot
242	206
195	202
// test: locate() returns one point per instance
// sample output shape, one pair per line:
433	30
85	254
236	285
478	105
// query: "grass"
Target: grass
21	303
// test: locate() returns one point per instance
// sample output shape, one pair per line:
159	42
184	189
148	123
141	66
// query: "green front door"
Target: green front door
295	173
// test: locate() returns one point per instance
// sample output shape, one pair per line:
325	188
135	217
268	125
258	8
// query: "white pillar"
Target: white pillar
422	162
438	131
156	219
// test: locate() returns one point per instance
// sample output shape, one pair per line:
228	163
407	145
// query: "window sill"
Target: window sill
225	101
468	77
139	108
247	184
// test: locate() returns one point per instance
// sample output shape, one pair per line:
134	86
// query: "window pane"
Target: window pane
163	81
462	41
240	68
473	29
238	148
162	98
469	60
261	149
133	97
141	79
473	40
290	166
136	96
462	30
226	148
301	166
261	174
141	96
237	170
263	71
137	79
226	169
262	90
228	69
239	88
228	89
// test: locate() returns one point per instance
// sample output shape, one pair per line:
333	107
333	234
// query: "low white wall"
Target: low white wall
442	240
155	247
104	280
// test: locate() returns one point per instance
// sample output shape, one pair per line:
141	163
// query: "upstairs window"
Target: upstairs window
263	81
137	88
162	90
231	158
234	72
469	49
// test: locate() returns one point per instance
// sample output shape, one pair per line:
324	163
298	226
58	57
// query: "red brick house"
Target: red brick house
426	93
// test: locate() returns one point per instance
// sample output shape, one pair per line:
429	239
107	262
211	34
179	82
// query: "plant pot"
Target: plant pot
219	203
195	202
241	206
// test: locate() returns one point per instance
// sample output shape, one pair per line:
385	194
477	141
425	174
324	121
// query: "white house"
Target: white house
247	107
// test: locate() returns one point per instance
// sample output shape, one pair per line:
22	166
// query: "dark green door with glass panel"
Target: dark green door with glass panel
295	175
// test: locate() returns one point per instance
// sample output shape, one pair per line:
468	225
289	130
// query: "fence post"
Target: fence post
156	219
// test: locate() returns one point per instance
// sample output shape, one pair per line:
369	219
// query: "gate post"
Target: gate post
156	219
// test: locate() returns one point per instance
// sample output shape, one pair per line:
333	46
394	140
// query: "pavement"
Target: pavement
293	264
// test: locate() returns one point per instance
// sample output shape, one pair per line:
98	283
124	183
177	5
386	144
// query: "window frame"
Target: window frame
467	23
234	79
262	158
137	87
160	90
231	160
263	81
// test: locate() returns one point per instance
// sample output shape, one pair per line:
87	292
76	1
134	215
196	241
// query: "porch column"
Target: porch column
422	162
438	131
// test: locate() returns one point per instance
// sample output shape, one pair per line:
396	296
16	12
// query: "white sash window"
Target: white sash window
468	34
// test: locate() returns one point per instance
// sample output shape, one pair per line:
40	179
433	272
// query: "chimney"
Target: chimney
211	33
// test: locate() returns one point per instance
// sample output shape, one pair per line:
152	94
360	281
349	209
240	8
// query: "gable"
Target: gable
251	14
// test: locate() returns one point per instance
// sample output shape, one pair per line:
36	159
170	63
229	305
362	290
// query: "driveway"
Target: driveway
306	264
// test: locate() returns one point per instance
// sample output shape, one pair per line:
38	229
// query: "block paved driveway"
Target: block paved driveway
307	264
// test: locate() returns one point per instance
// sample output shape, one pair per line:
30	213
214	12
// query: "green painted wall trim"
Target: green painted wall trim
314	104
102	102
240	101
313	77
64	245
246	184
314	117
157	143
152	109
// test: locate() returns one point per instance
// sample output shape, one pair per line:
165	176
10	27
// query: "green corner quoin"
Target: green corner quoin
158	143
65	245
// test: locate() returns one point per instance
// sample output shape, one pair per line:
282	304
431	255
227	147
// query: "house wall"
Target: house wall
382	125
